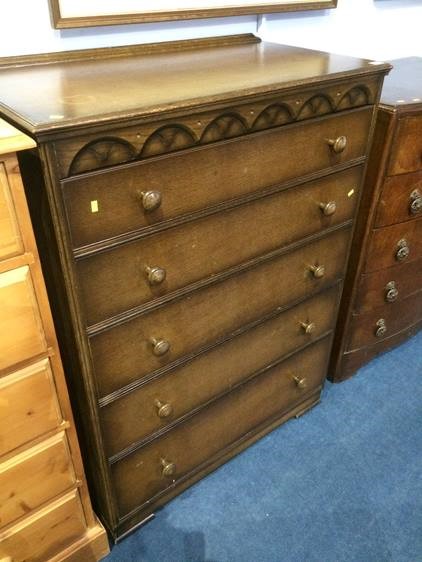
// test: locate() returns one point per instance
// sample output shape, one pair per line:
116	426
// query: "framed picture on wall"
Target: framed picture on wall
86	13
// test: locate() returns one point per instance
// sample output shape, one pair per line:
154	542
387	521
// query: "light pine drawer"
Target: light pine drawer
29	406
10	237
34	477
40	536
21	330
118	280
104	204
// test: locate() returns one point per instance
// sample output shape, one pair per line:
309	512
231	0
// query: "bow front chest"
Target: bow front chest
194	203
382	301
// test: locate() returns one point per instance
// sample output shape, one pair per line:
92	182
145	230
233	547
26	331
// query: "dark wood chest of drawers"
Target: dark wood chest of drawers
195	204
382	301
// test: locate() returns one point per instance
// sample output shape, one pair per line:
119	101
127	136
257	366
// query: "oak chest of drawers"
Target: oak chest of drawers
45	510
195	205
382	301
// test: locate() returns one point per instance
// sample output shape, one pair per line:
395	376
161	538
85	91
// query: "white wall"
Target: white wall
25	28
375	29
378	29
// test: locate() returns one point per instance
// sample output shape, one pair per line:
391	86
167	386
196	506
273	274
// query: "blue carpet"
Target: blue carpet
341	484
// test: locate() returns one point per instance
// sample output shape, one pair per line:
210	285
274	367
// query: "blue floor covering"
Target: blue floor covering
343	483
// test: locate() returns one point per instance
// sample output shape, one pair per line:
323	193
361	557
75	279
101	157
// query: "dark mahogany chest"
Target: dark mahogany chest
382	302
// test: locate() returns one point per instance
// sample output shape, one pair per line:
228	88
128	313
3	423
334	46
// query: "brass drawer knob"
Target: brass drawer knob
150	200
338	145
169	468
160	347
403	251
329	208
415	202
380	328
164	410
155	275
300	382
318	271
391	291
308	327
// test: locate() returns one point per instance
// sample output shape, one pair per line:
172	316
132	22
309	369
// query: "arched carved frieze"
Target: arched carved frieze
355	97
107	151
319	104
226	126
168	139
274	115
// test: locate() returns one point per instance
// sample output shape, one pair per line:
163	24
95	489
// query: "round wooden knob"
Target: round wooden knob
338	145
308	327
300	382
169	468
329	208
155	275
380	328
160	347
318	271
415	202
164	410
403	251
150	200
391	292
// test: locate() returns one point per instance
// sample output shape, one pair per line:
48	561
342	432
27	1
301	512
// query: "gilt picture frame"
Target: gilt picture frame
88	13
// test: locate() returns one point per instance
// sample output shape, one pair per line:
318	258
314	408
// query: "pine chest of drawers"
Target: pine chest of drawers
45	509
382	302
195	203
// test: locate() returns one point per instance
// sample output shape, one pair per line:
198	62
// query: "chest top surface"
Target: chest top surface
61	91
403	86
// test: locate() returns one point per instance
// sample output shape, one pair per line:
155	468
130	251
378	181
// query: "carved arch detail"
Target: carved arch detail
226	126
168	138
109	151
274	115
319	104
100	153
355	97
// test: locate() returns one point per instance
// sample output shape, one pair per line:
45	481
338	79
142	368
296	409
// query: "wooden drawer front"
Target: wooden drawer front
115	281
139	476
388	286
34	477
44	534
21	331
367	329
10	237
125	353
399	243
29	406
192	180
406	154
162	401
353	360
401	199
